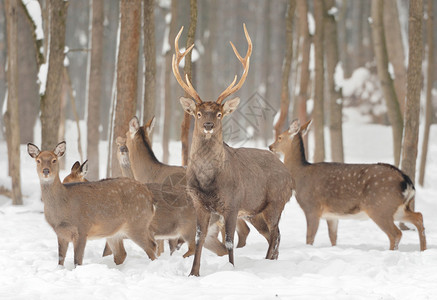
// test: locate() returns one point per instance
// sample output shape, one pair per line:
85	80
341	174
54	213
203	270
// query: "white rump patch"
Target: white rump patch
408	194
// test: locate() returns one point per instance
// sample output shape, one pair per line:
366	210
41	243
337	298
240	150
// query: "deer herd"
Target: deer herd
220	190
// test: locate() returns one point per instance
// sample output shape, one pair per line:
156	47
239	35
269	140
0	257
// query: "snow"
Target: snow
34	10
359	267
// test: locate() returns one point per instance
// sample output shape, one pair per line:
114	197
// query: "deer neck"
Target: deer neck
295	158
144	163
50	191
207	157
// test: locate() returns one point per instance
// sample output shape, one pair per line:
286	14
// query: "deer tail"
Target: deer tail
408	190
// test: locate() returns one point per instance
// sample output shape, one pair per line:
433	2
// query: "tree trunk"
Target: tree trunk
335	93
414	86
150	61
429	85
185	126
127	72
50	100
393	109
395	49
168	109
95	89
343	37
286	67
12	118
318	117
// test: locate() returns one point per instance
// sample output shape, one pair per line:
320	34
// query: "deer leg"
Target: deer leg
79	249
203	217
62	250
313	221
416	219
213	243
160	247
332	229
107	251
173	245
117	247
260	224
272	216
243	231
230	226
388	226
143	239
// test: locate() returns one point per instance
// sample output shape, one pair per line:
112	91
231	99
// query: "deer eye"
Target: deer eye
219	115
38	161
279	138
54	160
199	114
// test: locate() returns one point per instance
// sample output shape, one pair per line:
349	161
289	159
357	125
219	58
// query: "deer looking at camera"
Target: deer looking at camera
111	208
334	191
232	182
147	169
78	173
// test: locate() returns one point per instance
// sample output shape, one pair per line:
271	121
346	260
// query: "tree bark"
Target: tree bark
335	93
127	72
50	100
95	89
318	113
343	37
185	126
393	109
414	86
395	49
429	84
150	61
286	67
168	109
12	118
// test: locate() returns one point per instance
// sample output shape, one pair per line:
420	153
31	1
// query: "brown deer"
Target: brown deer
334	191
232	182
111	208
174	215
78	173
146	167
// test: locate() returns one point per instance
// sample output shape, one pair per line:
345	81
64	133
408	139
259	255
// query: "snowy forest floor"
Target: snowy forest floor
359	267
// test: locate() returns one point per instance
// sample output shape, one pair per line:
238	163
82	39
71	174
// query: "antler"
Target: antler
175	66
245	62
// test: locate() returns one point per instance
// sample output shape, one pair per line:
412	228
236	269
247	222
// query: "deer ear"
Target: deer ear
230	106
188	105
33	150
60	149
294	127
134	125
150	125
84	168
75	167
306	127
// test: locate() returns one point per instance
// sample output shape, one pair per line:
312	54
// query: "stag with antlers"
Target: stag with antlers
232	182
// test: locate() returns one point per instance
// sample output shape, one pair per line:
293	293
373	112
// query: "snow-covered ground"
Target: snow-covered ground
360	267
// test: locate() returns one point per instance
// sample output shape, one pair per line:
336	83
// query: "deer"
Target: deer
174	212
77	173
147	168
232	182
111	208
334	191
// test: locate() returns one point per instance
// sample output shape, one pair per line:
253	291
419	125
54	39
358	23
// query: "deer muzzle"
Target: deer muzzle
208	126
46	172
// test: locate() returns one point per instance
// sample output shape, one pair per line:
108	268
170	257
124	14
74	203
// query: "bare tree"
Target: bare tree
185	126
286	67
429	85
168	101
95	88
50	100
393	109
318	117
11	116
150	60
335	93
414	86
395	49
127	72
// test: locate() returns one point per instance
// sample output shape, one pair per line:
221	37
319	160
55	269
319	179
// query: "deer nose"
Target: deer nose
208	125
271	148
46	171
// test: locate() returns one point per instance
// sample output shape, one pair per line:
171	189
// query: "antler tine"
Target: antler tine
177	57
245	62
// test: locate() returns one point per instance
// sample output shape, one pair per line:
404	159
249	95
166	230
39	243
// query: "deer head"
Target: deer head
47	161
78	173
208	115
285	139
